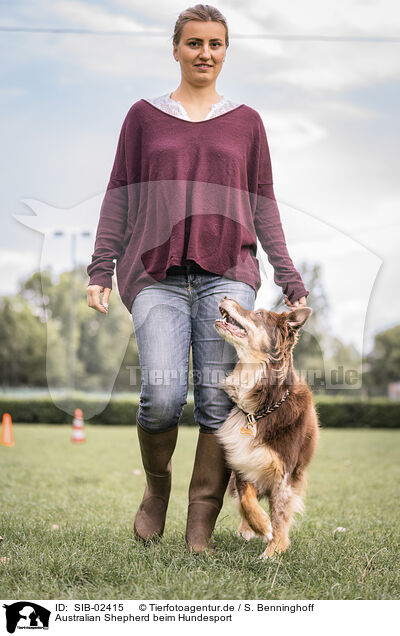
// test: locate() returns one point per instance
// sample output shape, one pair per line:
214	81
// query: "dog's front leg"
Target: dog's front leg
255	520
281	508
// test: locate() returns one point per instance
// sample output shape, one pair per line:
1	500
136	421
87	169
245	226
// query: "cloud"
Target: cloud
14	268
336	66
318	66
343	17
75	14
291	130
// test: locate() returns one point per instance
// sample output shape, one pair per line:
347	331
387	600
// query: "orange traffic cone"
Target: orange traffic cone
6	435
78	433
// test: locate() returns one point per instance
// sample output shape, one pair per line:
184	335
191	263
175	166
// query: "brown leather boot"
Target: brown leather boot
156	450
206	492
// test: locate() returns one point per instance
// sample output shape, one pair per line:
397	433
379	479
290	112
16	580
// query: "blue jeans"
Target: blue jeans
169	316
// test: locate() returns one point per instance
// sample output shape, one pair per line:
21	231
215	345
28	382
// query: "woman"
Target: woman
189	192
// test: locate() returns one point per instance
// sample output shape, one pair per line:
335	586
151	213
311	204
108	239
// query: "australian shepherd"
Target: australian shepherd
272	432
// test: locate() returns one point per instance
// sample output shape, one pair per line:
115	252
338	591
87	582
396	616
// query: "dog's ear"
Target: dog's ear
298	317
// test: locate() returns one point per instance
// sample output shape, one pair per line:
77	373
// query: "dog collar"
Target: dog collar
251	418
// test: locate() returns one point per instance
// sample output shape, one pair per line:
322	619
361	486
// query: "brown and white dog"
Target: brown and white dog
267	452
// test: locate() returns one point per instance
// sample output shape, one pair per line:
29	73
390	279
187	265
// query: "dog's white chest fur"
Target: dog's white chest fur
256	463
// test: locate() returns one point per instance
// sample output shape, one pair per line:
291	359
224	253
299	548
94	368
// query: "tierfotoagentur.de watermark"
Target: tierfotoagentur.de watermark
335	378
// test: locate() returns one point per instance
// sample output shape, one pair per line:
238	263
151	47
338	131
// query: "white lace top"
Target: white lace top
173	107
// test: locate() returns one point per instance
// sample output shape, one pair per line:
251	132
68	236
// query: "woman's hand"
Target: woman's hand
93	297
302	302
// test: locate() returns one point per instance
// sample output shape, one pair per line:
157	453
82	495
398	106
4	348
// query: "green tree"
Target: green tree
383	363
22	344
345	361
35	332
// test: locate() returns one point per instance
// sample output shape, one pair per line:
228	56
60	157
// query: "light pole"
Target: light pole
72	310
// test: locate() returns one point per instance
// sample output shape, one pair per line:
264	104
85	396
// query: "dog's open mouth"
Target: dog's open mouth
232	325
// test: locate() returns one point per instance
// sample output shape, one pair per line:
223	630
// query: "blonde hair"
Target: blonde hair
204	12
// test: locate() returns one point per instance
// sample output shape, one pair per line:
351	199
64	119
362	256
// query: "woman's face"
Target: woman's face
201	43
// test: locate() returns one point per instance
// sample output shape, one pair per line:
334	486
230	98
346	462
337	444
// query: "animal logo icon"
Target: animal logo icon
27	615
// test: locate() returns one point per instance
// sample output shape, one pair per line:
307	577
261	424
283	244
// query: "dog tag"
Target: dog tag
248	430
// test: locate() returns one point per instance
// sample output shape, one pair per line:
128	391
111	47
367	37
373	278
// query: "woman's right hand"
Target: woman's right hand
93	297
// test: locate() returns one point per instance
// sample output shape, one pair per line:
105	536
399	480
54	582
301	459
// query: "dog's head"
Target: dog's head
260	335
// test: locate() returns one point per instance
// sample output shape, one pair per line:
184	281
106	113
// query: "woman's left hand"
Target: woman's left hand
302	302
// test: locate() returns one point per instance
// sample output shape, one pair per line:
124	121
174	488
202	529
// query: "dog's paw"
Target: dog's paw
267	538
246	532
274	549
272	552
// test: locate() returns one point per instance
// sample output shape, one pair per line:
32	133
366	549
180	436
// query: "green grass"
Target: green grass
91	492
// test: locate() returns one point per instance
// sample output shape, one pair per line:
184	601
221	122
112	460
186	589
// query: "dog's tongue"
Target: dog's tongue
238	330
233	328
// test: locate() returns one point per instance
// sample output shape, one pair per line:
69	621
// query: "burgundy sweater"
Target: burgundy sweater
183	191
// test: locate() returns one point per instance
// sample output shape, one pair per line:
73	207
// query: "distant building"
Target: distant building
394	390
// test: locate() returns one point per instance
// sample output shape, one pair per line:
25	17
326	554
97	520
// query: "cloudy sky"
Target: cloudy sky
325	81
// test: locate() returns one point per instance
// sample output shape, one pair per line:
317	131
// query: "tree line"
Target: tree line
49	336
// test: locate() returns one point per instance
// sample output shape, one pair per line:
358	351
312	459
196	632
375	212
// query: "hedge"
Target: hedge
334	412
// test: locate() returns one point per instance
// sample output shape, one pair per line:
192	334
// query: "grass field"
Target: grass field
91	492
